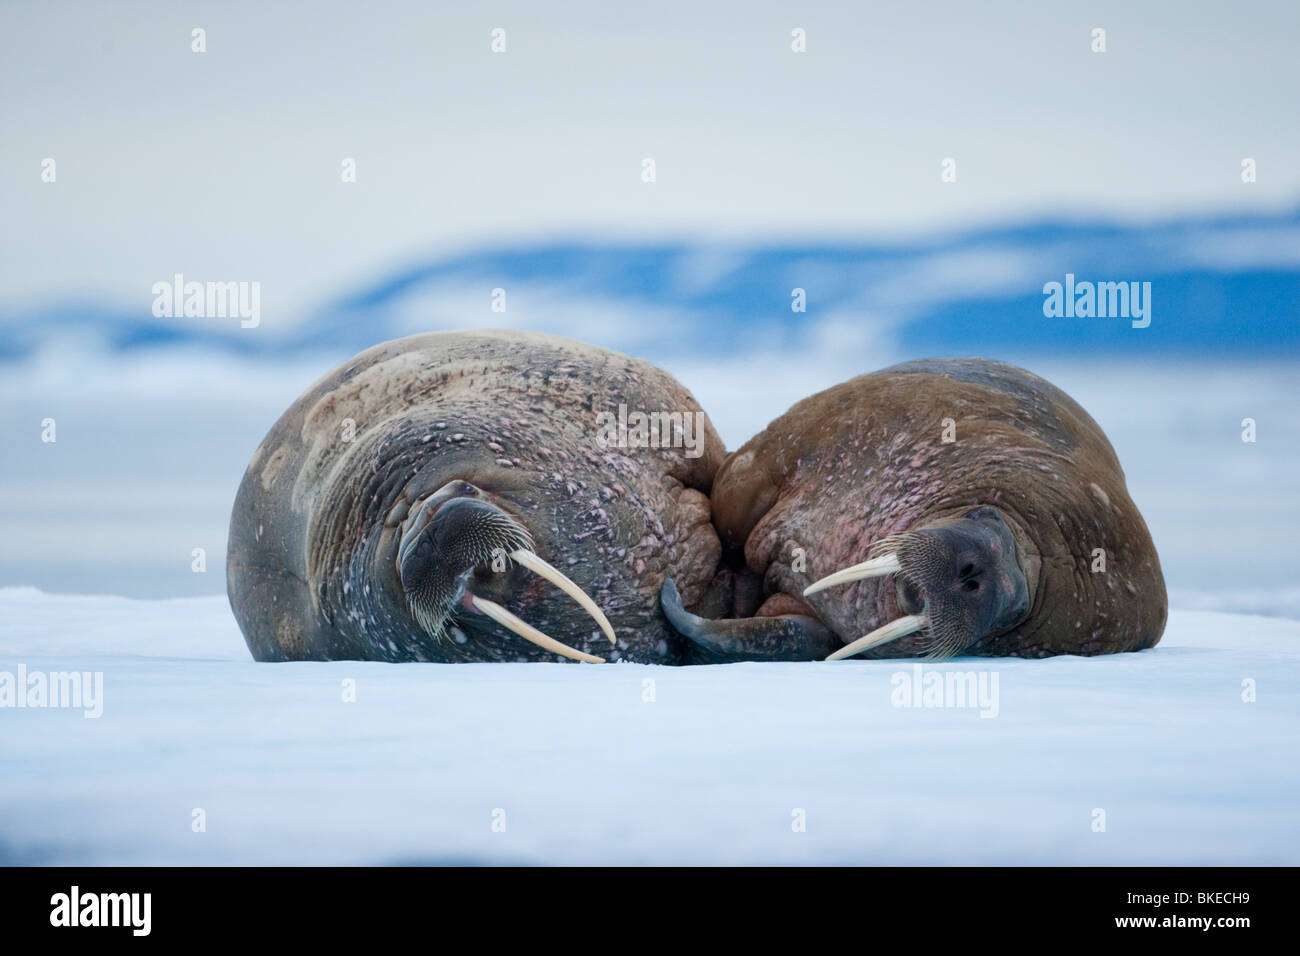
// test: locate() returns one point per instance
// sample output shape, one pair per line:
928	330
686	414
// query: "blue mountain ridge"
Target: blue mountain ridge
1226	285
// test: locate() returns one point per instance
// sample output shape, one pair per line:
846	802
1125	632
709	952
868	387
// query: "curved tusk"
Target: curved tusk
875	568
882	635
528	632
532	562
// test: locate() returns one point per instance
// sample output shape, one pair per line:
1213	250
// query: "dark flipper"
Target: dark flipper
784	638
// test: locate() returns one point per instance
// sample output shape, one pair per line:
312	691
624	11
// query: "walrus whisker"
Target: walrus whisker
908	624
874	568
528	632
942	648
533	562
889	543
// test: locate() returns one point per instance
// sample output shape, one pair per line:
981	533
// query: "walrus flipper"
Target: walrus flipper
731	640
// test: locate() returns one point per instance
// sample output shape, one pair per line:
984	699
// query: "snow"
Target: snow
713	769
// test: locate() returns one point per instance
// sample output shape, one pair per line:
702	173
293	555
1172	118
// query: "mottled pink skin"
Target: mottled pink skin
837	507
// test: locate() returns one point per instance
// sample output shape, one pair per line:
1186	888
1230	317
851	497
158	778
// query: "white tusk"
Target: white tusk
875	568
528	632
532	562
882	635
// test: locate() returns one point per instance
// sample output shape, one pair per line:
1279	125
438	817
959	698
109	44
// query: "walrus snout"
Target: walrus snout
964	578
959	579
453	533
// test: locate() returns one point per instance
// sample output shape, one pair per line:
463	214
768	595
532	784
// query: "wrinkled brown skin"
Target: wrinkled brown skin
865	459
313	536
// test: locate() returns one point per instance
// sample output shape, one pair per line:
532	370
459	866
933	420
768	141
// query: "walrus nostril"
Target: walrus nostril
966	571
971	586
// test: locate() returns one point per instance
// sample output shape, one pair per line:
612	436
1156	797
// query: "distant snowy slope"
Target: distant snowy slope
637	764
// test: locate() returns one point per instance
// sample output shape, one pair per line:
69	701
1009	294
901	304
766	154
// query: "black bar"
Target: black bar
334	905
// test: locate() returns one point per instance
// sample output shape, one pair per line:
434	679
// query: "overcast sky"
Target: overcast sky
226	164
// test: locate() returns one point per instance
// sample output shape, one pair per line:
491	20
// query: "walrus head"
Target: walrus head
457	533
934	508
953	581
957	579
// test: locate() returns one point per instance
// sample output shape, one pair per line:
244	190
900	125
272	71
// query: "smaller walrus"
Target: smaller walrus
417	502
938	507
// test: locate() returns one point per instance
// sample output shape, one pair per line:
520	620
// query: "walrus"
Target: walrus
934	508
418	502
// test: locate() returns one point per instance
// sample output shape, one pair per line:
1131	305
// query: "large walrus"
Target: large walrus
418	502
939	507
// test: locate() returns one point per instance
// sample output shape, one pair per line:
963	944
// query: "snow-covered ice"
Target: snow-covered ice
637	764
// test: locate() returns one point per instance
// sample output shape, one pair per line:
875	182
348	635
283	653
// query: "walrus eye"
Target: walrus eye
448	537
960	577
